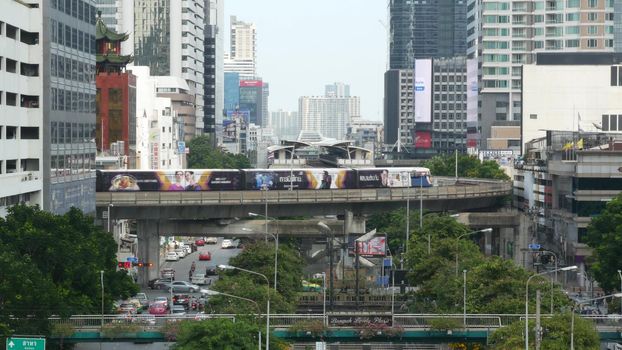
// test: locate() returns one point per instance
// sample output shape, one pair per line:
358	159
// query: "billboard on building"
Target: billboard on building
472	90
376	246
423	139
251	83
423	91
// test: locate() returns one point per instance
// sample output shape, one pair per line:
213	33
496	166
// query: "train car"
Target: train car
169	180
298	179
258	179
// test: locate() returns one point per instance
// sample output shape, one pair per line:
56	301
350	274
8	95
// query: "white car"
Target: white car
172	256
199	278
211	240
181	252
227	243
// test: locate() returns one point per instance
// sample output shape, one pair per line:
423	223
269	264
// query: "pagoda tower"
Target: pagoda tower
116	97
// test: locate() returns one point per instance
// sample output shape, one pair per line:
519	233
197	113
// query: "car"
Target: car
126	308
161	283
188	249
183	286
167	272
137	304
205	255
178	310
181	252
227	244
172	256
211	240
199	278
161	300
211	271
181	299
200	242
142	298
158	308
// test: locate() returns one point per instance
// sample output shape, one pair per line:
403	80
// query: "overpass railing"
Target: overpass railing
603	323
465	188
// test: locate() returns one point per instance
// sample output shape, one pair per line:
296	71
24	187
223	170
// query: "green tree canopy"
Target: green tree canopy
259	257
222	334
556	334
468	166
50	264
204	156
604	235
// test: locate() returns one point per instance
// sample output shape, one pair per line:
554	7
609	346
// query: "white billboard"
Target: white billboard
472	90
423	91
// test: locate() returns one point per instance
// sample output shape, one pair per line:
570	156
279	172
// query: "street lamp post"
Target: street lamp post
101	277
324	297
616	295
213	292
620	274
276	244
556	260
110	205
276	252
467	234
229	267
464	276
330	239
568	268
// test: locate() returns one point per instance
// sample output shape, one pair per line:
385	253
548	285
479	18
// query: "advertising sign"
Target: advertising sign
169	180
472	90
373	247
299	179
251	83
358	321
423	91
423	139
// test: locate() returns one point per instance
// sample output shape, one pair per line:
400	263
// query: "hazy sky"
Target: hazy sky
303	45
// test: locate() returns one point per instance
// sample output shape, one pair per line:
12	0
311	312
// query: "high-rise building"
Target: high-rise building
213	69
242	56
251	101
168	37
426	108
231	91
286	125
22	92
425	29
420	30
337	90
68	101
328	115
504	36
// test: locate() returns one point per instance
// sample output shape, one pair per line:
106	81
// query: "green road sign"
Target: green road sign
25	343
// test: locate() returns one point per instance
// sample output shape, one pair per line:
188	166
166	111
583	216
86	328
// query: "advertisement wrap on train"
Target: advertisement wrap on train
258	179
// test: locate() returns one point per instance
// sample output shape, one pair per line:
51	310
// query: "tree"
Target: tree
604	235
204	156
556	334
50	264
468	166
222	334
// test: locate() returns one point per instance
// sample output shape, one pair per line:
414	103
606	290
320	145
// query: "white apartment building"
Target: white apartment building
328	115
580	97
157	122
504	35
242	58
168	37
286	125
21	112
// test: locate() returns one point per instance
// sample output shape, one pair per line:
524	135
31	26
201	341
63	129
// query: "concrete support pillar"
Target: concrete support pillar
148	249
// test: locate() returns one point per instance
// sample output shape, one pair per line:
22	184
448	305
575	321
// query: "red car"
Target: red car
205	256
158	309
199	242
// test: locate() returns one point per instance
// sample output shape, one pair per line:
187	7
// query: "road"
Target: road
182	267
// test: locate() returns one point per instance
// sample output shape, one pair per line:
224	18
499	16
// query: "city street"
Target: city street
182	267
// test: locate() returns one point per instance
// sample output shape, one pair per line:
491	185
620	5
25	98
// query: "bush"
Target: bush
444	324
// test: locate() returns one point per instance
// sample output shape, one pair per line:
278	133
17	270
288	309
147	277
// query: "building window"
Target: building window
614	75
11	99
592	3
592	43
592	16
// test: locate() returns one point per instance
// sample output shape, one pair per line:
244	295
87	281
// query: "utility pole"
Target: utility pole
538	326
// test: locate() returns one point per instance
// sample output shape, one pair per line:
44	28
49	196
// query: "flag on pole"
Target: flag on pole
580	144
